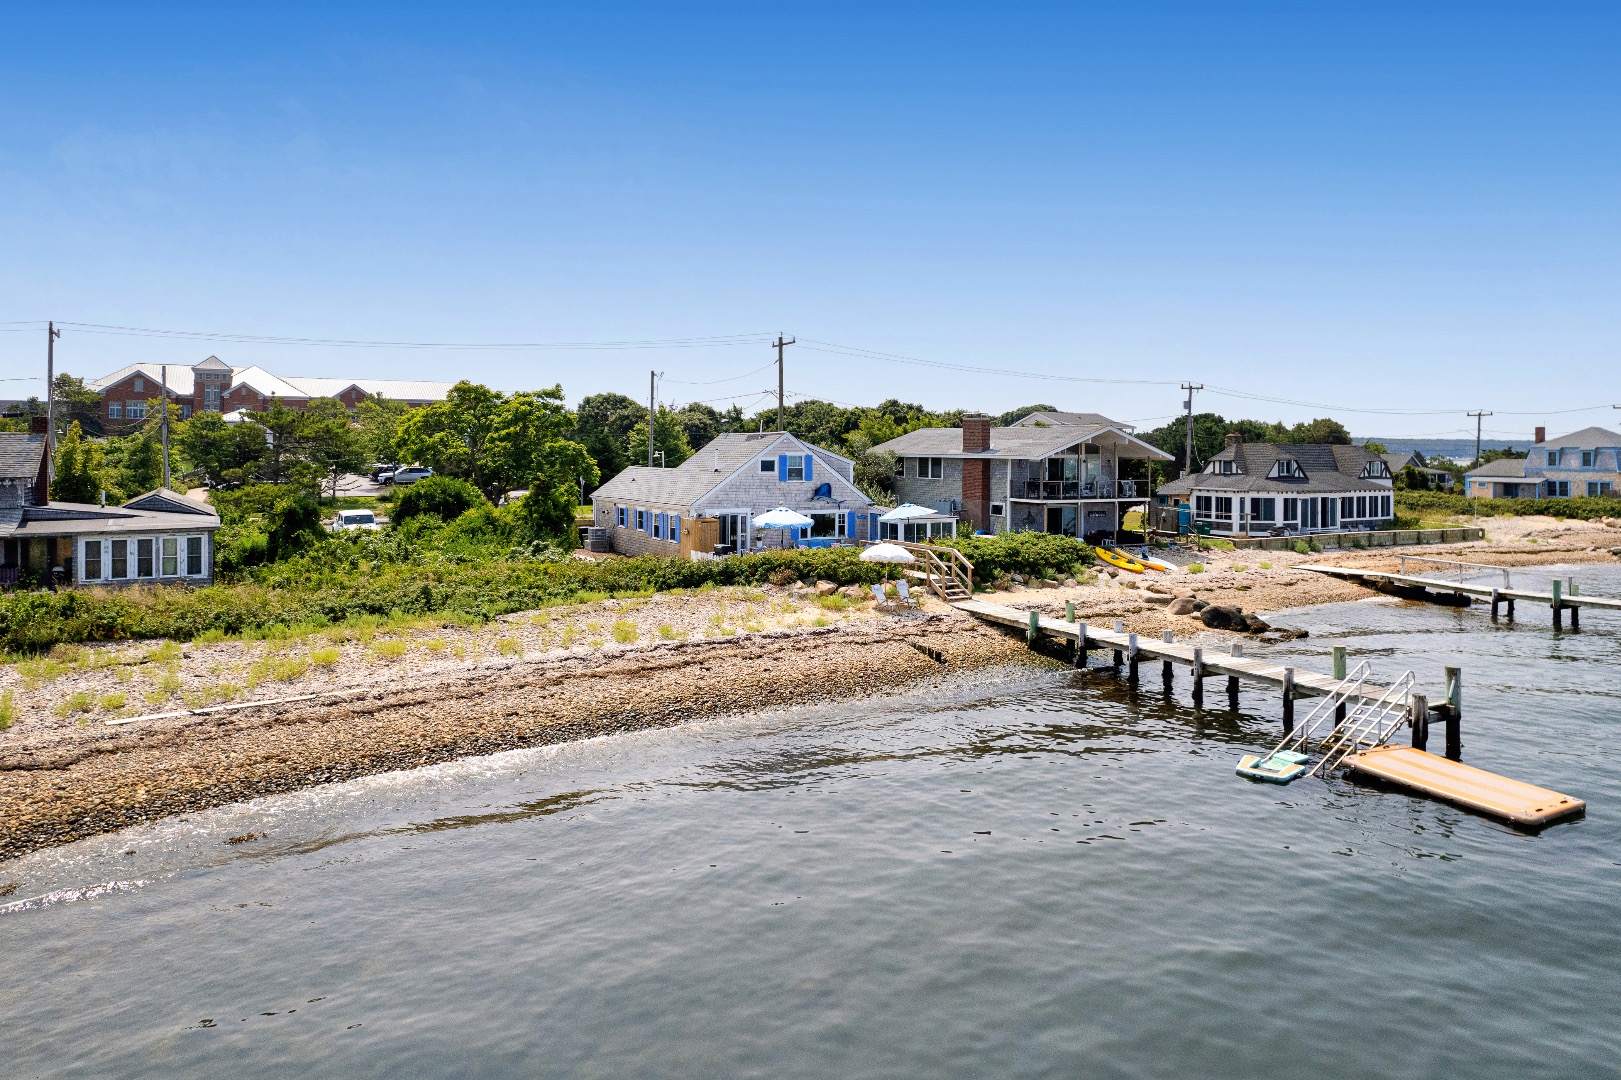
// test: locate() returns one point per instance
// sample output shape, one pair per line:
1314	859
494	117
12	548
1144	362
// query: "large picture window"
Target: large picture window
144	557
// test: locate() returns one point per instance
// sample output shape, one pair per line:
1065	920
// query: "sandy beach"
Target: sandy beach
109	735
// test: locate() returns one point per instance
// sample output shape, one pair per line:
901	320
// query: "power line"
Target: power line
729	378
359	343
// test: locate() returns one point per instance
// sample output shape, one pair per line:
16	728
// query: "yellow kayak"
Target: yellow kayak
1124	562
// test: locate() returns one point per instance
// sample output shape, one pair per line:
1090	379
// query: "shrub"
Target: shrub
1195	567
112	702
78	702
443	497
390	648
508	646
324	657
1584	507
291	524
1030	553
625	632
8	709
1301	547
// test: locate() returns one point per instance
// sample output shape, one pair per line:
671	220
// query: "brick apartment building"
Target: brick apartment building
215	386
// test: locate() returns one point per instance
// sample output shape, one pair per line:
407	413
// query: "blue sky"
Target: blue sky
1412	207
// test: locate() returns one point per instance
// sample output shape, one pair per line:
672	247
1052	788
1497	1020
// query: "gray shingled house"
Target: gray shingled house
1252	488
161	536
722	487
1056	472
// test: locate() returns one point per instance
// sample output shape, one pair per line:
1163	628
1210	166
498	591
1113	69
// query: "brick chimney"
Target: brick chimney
1233	439
976	434
976	472
38	425
1542	436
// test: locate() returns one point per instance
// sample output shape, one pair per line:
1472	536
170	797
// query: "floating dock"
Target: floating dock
1464	785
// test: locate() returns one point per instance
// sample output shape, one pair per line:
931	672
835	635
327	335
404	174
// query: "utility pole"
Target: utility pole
51	334
1187	461
1478	417
652	417
164	404
781	422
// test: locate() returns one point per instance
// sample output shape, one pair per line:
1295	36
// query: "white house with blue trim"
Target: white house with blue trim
734	479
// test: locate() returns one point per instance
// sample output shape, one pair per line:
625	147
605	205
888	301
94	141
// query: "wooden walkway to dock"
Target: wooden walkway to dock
1558	598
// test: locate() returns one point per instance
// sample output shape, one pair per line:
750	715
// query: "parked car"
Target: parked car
410	474
512	496
379	470
348	520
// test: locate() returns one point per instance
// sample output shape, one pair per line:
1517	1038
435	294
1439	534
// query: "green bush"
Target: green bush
443	497
1584	507
291	524
1033	554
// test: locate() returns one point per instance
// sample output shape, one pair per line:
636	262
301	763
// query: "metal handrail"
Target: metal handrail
1401	566
1366	726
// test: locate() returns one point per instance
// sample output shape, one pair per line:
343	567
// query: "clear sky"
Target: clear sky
1402	207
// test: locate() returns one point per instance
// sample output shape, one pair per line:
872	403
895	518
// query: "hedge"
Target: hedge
1584	508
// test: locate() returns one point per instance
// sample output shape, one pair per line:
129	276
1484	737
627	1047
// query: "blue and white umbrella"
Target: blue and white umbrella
910	512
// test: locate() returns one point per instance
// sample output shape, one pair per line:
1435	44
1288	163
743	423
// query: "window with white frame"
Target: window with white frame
1558	489
1264	509
1348	506
1361	507
120	559
768	465
1291	509
169	560
144	557
1587	459
135	410
1203	506
140	384
796	466
1285	469
115	410
622	516
829	525
675	528
1384	501
1224	508
92	560
641	520
998	510
194	556
930	468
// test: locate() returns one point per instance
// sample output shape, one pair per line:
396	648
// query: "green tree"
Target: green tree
602	424
699	423
80	468
452	436
223	453
1321	430
329	441
380	420
671	440
135	464
1007	418
76	403
529	432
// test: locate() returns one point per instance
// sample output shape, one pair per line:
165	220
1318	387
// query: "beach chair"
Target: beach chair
878	594
905	591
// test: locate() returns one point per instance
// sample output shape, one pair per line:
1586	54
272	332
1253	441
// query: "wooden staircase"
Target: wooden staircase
944	571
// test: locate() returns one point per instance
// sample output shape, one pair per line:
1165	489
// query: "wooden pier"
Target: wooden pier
1410	767
1560	598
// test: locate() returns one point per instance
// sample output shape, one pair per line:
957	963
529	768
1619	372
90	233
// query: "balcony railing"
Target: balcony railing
1072	490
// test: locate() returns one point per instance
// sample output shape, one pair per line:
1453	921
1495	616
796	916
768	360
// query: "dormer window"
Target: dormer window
1285	469
1224	467
1375	470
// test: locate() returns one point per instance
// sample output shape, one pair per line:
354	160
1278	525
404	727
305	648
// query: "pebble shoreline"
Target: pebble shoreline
51	795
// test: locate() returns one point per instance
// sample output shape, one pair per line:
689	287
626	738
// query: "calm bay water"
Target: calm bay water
1018	876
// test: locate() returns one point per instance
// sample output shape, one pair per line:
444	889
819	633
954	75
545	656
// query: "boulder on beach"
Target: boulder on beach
1182	605
1222	617
1160	598
1254	624
826	588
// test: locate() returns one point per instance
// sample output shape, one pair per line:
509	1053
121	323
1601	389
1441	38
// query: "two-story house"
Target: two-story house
1252	488
1585	462
732	480
1048	472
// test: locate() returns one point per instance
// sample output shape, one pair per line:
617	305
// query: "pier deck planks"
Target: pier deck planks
1442	585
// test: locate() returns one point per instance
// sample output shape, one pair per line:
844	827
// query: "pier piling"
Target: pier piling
1131	652
1339	661
1418	714
1035	627
1166	671
1119	628
1198	676
1288	700
1576	609
1557	604
1454	713
1497	599
1080	645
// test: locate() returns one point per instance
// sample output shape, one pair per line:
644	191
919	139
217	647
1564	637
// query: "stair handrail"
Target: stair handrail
1368	719
957	568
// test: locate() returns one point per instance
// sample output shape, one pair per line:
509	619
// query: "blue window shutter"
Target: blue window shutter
675	527
782	467
664	525
807	467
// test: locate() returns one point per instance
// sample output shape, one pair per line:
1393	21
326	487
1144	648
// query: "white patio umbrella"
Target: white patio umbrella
887	553
909	512
782	518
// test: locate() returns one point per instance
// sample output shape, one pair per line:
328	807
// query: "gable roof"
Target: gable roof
273	385
1012	442
1068	419
1511	468
172	502
707	469
21	454
1327	468
393	389
179	381
1588	438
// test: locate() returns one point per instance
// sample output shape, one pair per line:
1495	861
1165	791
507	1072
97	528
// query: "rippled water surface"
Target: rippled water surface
1020	876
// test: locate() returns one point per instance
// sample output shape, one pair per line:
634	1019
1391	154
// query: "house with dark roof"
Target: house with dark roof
215	386
1252	488
1048	472
710	500
159	537
1438	478
1585	462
